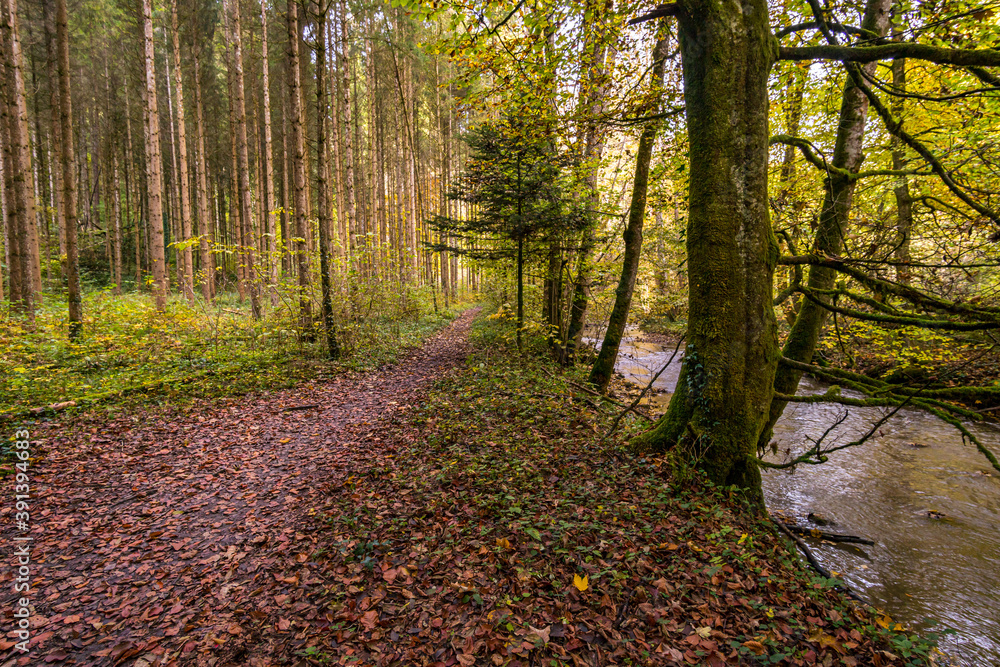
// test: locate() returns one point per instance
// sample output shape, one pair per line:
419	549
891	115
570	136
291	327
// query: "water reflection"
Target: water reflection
931	503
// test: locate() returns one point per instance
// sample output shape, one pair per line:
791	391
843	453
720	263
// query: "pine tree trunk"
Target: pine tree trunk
69	183
299	170
350	213
116	227
26	282
721	401
322	191
268	167
243	158
184	177
154	180
201	175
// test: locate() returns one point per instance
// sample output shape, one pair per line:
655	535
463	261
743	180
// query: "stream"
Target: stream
930	502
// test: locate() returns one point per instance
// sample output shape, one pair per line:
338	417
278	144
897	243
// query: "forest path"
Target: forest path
187	537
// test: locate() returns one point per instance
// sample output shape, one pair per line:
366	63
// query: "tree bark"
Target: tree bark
56	133
298	168
322	192
26	282
201	174
904	202
834	221
718	410
268	158
69	183
604	365
187	263
351	222
243	158
154	180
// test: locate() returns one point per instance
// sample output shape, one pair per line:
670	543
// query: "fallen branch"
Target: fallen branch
299	407
830	537
814	563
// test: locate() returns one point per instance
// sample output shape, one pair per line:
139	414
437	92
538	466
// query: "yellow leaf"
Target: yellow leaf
704	632
582	583
503	542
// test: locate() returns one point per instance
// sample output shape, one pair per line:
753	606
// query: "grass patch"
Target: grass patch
130	352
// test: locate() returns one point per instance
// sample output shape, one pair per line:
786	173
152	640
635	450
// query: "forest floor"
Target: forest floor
458	508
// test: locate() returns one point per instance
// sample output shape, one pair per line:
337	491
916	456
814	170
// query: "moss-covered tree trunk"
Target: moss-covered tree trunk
726	382
834	220
604	365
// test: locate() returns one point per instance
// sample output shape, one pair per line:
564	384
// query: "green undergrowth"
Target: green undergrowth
501	527
130	352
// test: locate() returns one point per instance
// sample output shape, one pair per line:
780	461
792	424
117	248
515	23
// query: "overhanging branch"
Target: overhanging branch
868	54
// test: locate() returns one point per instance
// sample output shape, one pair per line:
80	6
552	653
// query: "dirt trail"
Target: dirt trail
186	538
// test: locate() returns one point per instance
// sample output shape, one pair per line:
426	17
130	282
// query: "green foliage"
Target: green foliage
131	352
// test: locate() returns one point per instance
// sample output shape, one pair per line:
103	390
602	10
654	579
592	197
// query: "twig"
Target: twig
638	398
830	537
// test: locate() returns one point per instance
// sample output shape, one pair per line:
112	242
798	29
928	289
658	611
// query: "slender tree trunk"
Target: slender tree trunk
725	386
184	177
834	221
593	94
154	180
243	156
268	167
22	230
69	183
351	217
322	191
116	228
298	168
201	174
604	365
904	202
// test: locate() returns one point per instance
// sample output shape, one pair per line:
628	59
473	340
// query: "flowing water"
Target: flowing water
930	502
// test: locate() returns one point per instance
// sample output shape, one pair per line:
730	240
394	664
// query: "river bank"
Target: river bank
931	503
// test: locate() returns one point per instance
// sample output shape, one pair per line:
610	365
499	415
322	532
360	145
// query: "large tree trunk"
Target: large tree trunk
69	183
298	168
598	60
726	381
604	365
243	158
834	221
154	180
22	231
322	191
187	258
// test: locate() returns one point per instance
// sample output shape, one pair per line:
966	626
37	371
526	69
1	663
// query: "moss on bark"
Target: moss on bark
726	382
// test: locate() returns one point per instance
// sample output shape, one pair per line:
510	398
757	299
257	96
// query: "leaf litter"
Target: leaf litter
429	514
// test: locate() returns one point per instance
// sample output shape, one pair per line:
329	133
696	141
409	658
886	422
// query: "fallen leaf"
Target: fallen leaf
581	583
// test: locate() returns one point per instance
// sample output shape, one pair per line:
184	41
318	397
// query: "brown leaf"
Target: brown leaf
369	620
